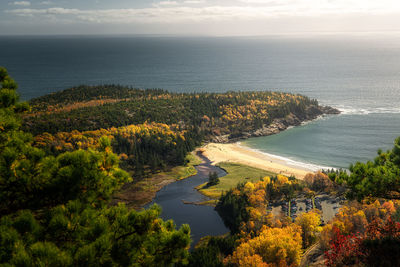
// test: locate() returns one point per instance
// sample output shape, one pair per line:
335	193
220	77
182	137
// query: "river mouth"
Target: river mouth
203	220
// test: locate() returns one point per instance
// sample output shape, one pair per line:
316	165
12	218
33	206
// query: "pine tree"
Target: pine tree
212	179
54	209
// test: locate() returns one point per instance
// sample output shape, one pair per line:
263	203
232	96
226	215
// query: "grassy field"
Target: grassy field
237	173
183	172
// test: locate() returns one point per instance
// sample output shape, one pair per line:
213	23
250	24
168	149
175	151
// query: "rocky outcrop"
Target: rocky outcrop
278	125
329	110
221	139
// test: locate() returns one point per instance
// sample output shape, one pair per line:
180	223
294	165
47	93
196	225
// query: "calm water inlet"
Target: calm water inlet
203	220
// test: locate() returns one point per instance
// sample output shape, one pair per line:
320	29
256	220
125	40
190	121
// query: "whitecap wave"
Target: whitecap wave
319	118
366	111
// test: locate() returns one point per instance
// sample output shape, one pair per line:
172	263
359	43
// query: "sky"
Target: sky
198	17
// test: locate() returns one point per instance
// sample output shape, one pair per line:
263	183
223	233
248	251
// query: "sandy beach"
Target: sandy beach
240	154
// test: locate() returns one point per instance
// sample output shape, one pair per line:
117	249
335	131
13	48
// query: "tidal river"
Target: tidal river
203	220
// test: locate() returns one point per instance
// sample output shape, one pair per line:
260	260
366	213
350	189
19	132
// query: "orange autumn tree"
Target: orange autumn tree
319	182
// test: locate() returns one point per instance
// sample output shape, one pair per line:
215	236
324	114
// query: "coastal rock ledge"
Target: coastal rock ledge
280	124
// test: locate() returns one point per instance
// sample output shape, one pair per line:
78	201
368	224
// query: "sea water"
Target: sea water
360	75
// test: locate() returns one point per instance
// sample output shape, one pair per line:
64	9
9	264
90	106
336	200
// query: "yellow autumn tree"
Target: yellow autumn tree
254	261
281	180
275	246
257	209
310	226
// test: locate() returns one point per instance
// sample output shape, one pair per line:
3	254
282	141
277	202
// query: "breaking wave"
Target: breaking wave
289	161
366	111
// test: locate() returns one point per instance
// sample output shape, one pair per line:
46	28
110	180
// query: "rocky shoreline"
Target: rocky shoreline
281	124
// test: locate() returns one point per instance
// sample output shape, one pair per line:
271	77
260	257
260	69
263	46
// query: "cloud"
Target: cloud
215	17
243	10
46	2
266	2
194	2
166	3
20	3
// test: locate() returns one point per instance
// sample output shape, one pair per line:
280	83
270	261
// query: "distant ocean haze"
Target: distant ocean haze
359	75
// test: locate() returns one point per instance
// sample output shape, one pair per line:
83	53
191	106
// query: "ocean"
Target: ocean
359	75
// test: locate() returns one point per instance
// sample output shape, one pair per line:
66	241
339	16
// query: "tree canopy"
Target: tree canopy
379	178
55	209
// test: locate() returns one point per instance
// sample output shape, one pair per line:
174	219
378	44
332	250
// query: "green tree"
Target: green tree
54	210
80	235
380	178
232	208
31	179
213	179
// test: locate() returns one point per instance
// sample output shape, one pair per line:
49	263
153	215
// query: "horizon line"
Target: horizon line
304	33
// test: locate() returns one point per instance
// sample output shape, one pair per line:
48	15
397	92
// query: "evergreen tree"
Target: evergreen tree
54	209
378	178
213	179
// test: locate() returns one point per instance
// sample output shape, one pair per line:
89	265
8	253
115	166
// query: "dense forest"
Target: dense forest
94	107
54	209
143	149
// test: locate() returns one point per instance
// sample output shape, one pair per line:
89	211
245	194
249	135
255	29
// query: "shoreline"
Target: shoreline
297	164
229	149
278	125
236	153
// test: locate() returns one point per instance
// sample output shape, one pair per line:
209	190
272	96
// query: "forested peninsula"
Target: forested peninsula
231	114
153	129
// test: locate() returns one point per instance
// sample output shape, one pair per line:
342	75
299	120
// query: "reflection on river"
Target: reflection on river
203	220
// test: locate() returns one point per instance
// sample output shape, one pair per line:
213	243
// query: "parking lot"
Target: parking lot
328	205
